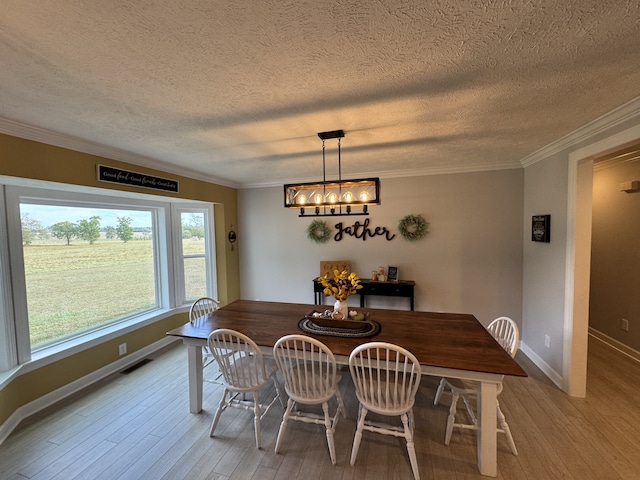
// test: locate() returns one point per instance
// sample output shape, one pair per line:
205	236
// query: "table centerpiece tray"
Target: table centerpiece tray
339	328
329	322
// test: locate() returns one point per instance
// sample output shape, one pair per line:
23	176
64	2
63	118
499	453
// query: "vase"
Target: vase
342	307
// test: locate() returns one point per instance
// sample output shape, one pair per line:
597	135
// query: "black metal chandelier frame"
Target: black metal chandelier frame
332	197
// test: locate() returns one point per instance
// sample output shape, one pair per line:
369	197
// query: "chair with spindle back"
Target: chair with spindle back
506	333
201	307
244	369
310	378
386	378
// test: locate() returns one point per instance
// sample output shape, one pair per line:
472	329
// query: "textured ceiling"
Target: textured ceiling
237	90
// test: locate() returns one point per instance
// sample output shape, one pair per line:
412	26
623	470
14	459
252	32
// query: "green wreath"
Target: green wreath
413	227
318	231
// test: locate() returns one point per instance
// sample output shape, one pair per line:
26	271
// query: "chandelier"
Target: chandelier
332	197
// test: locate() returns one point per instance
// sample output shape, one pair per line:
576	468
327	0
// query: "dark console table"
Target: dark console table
401	288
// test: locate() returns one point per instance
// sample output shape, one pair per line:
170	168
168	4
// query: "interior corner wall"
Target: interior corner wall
615	256
470	261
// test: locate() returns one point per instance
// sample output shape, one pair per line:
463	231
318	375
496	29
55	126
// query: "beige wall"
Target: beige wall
470	261
615	256
28	159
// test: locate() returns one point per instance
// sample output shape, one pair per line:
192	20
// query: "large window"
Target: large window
79	263
85	267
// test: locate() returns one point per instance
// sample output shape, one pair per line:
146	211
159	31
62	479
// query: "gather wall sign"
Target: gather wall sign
411	228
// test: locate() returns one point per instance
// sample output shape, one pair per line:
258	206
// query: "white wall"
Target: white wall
470	261
545	192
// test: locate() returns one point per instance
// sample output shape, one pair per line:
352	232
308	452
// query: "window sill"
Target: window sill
57	352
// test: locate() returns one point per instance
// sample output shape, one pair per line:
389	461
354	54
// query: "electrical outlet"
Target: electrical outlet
122	348
624	324
547	341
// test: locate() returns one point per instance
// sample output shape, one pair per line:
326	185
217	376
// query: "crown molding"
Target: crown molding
36	134
418	172
625	112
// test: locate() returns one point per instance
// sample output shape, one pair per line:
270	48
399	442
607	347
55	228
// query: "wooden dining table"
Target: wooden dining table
451	345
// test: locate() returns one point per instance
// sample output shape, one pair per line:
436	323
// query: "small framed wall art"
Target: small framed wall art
541	228
392	274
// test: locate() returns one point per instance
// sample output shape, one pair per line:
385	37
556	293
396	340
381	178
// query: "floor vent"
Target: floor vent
136	366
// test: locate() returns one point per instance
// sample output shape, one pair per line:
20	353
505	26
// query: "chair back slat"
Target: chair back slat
308	368
386	376
239	358
506	333
201	307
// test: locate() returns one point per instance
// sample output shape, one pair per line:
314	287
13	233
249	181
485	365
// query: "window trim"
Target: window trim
209	246
12	264
8	354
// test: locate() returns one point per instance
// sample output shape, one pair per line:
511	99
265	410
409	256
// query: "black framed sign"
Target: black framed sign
125	177
541	228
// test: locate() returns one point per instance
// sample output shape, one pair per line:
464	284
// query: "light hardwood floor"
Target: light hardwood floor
137	426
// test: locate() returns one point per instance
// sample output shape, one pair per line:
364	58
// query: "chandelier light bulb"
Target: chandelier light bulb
332	197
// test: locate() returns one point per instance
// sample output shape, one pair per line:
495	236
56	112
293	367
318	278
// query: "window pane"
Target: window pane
85	268
193	233
194	254
195	277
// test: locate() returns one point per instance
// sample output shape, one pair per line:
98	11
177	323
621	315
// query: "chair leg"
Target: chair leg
439	391
283	425
341	405
505	426
221	408
329	428
412	421
276	384
470	410
411	448
452	418
358	437
256	419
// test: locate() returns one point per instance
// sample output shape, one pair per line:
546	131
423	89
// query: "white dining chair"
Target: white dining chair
386	379
244	370
506	333
201	307
310	378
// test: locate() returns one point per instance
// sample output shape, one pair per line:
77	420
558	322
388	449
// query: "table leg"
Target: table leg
487	430
194	355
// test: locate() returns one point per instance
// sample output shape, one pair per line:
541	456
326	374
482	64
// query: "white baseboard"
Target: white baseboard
51	398
554	376
613	343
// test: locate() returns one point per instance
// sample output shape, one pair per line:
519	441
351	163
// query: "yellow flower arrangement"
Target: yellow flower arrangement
341	285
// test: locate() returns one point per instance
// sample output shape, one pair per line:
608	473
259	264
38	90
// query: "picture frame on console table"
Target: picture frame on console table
392	274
